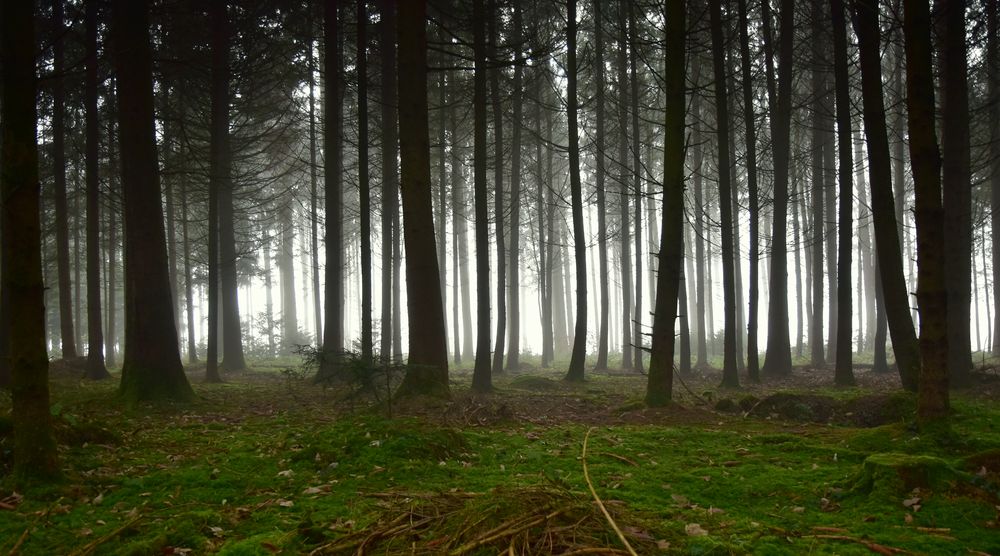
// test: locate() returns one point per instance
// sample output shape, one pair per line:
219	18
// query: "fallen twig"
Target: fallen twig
873	546
619	458
89	547
20	541
600	504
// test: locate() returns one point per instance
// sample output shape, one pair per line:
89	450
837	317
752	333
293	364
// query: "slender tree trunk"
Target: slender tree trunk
730	376
576	362
602	218
801	294
364	192
844	374
701	361
659	387
95	335
498	166
778	360
427	367
513	252
390	203
624	184
333	331
440	220
313	185
932	296
544	240
152	368
192	350
749	116
634	80
993	98
68	334
889	256
819	137
111	333
219	103
35	454
459	219
481	378
956	167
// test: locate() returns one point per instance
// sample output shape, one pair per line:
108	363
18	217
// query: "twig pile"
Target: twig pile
514	521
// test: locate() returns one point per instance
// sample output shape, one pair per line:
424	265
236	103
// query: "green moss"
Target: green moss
895	473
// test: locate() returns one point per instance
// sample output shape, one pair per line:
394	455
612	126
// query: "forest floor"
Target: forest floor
269	463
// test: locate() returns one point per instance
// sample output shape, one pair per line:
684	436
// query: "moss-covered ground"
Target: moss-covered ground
268	463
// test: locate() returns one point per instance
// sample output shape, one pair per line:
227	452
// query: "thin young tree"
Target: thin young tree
932	295
152	365
730	376
778	359
35	454
427	367
390	182
753	357
481	376
659	387
96	368
844	373
579	353
364	187
513	250
498	167
993	98
889	259
599	177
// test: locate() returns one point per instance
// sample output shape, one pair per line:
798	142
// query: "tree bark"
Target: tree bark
427	367
778	360
659	387
498	205
844	374
364	192
993	98
624	184
887	240
579	353
637	185
390	188
95	335
753	357
819	137
481	377
35	454
932	295
957	185
513	251
599	177
152	366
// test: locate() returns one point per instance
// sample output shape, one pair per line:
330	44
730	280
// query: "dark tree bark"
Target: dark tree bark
290	334
427	367
637	186
624	183
541	214
95	335
599	177
192	351
659	387
819	137
498	166
513	250
730	376
993	98
313	183
390	187
932	295
333	330
219	103
957	185
111	333
778	360
481	378
440	210
152	365
459	219
576	362
221	174
67	330
753	357
844	374
700	257
364	188
887	243
35	453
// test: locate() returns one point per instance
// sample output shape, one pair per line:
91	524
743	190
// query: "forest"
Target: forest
499	277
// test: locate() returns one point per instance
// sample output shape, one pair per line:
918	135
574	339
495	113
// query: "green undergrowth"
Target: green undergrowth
268	467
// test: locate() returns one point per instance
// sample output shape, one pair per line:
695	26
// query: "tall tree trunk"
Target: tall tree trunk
544	240
932	295
501	274
513	251
334	287
440	220
623	182
313	185
701	360
600	174
778	360
111	332
152	367
865	246
95	335
67	331
390	195
819	137
459	219
659	387
578	356
844	374
730	376
993	98
481	379
637	185
888	249
800	293
291	335
364	192
427	368
192	351
954	67
219	103
35	454
753	357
